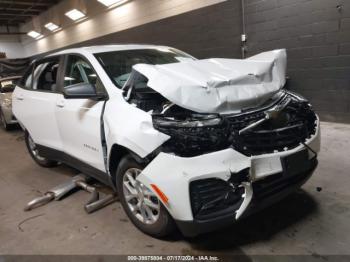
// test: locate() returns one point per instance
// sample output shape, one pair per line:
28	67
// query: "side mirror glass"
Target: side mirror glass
81	91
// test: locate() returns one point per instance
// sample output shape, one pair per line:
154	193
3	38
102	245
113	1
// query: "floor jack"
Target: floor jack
79	181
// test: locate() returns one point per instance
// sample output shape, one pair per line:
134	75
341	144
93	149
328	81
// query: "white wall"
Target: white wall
101	21
12	46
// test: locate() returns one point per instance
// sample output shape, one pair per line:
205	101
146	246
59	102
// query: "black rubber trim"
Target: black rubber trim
86	169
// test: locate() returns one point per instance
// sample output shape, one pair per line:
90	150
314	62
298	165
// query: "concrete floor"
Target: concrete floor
307	222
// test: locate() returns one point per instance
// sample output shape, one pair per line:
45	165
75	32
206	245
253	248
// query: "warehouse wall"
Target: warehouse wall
316	34
212	31
11	45
101	21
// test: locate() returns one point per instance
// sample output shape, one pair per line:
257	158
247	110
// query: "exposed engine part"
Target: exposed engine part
279	126
284	128
138	93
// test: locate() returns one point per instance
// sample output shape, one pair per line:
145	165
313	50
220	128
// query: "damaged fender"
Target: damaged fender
131	128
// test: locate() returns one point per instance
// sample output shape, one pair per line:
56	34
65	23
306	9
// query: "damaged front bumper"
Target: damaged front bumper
216	189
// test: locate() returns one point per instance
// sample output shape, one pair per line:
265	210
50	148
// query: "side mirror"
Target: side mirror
82	91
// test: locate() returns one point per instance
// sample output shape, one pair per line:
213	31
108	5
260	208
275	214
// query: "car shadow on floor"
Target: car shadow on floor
260	226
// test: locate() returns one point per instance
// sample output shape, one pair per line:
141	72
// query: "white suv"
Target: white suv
196	144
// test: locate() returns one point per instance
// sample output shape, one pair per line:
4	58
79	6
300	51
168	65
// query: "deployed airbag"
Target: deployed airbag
219	85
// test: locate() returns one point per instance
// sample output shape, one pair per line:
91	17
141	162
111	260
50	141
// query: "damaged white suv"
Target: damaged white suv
196	144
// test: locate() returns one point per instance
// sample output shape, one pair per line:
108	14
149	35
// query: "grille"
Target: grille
294	124
214	197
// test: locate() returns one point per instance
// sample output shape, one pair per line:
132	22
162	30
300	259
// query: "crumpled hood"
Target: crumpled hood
219	85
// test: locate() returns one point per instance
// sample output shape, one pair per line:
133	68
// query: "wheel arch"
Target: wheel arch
116	154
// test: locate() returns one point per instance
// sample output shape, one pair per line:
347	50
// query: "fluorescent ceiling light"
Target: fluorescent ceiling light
75	14
111	2
35	34
52	27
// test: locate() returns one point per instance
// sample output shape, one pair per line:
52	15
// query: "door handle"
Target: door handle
60	104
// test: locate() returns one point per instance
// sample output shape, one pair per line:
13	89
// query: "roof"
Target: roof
108	48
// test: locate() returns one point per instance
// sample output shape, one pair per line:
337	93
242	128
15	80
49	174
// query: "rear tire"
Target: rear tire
34	153
140	204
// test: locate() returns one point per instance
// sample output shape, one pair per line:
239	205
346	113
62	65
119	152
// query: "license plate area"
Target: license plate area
296	163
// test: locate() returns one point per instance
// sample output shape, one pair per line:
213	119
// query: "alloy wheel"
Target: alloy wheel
141	201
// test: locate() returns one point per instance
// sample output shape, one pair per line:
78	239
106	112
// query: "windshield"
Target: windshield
118	64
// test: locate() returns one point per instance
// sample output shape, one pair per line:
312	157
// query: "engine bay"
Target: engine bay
192	133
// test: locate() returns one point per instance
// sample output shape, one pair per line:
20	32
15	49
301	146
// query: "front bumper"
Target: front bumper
196	227
174	174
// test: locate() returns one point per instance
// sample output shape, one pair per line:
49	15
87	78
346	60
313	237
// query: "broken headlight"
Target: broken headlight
194	121
193	135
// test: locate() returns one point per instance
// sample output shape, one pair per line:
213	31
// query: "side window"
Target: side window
45	75
26	80
79	71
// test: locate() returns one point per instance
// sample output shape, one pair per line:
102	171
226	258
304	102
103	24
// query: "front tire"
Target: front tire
34	153
140	204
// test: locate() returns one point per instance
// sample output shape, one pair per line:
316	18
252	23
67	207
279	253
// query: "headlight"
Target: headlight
199	121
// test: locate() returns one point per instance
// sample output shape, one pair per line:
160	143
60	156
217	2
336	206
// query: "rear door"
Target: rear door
80	119
35	100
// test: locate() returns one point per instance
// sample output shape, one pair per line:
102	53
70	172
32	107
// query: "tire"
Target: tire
33	151
3	121
160	223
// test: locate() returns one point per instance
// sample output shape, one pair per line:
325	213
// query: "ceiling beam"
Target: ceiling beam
24	12
31	3
4	21
12	33
6	8
14	14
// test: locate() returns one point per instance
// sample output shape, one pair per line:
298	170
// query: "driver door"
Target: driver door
79	119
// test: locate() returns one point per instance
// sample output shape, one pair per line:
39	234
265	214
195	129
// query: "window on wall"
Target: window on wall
45	75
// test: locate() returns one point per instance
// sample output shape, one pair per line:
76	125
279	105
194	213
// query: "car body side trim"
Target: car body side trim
69	160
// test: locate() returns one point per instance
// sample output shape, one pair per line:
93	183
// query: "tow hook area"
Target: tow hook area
80	181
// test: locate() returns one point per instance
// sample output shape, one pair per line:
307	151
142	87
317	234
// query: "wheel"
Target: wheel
34	153
3	121
141	205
